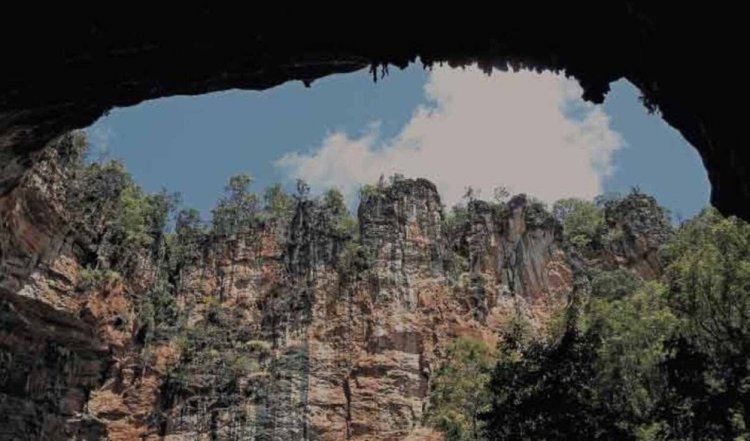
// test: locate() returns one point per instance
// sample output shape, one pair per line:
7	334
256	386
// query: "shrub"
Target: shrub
96	279
277	203
459	393
237	211
536	214
582	221
242	365
260	346
615	284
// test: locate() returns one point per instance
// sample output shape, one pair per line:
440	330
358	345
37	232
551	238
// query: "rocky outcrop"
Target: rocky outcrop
637	228
50	362
516	251
401	229
349	352
291	329
34	227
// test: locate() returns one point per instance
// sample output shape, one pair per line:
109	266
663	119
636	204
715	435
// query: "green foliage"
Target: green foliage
709	369
190	235
71	148
354	257
373	190
237	211
131	218
615	284
260	346
547	393
217	351
277	203
658	360
95	279
336	215
333	201
243	365
582	221
608	199
127	232
709	273
96	186
456	220
105	202
500	211
157	313
141	219
368	191
641	361
635	215
517	333
216	315
632	333
600	380
536	214
459	394
210	301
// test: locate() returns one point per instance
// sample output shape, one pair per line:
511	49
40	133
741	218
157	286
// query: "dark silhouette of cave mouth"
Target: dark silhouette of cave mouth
66	67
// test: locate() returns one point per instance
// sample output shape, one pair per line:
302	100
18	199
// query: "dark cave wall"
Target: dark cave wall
67	65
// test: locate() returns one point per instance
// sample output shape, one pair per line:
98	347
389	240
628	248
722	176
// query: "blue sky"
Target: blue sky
529	132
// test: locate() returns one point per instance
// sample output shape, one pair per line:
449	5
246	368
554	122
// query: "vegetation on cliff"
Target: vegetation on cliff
653	345
658	360
459	391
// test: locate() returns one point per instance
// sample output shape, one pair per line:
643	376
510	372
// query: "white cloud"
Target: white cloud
512	129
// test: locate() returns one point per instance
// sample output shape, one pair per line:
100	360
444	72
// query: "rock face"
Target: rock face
50	361
290	331
636	231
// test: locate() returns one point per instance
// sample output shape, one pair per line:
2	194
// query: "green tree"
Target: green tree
459	394
582	221
277	203
535	212
615	284
708	269
188	222
139	222
548	392
106	203
600	380
94	191
631	334
189	239
336	215
157	313
237	210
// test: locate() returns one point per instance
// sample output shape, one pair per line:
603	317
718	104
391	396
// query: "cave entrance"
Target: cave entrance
258	305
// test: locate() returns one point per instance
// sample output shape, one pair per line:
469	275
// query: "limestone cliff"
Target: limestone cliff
289	330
